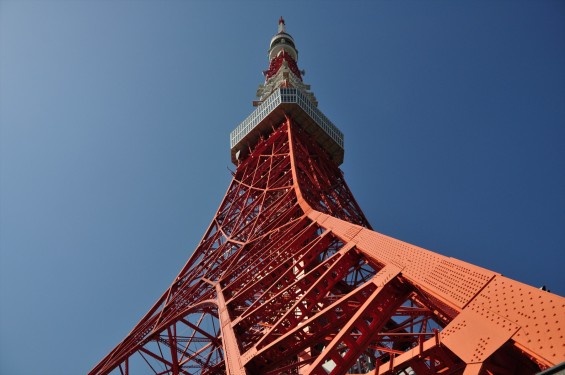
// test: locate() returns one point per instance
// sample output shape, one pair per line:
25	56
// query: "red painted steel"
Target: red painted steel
290	279
277	62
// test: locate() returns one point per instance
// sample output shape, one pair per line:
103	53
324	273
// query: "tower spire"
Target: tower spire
281	25
283	67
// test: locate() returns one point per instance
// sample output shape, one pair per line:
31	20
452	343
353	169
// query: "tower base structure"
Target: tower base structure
291	279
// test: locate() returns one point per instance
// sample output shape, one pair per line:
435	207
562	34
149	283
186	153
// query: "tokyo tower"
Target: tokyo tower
290	278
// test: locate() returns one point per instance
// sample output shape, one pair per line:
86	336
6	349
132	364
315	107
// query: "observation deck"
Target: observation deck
291	102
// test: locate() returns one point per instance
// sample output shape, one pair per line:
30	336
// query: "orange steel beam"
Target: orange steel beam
290	278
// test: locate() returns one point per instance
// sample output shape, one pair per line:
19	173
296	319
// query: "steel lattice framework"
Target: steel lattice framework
291	279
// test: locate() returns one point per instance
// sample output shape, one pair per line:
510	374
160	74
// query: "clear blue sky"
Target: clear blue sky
114	150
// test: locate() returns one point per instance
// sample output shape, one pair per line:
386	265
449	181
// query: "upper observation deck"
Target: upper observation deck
282	102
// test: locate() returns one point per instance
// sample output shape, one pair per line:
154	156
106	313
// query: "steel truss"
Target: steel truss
290	279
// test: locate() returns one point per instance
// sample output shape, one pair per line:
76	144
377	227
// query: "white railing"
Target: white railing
285	95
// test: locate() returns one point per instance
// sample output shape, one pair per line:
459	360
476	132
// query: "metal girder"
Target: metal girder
290	279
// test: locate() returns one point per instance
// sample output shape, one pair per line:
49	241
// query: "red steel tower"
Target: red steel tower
290	278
